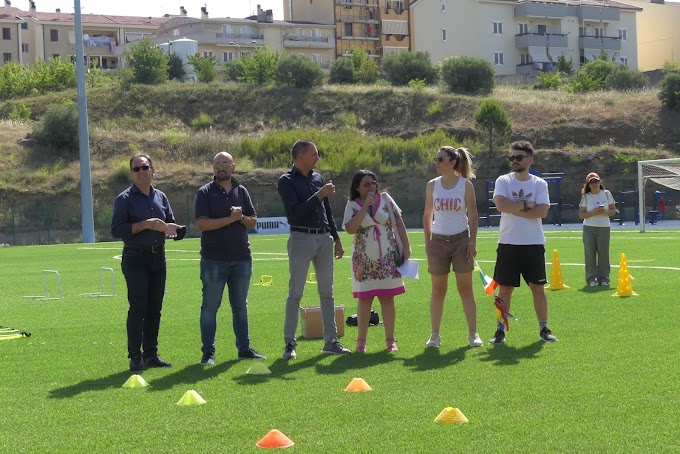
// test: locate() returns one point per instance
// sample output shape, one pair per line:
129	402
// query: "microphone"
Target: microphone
370	208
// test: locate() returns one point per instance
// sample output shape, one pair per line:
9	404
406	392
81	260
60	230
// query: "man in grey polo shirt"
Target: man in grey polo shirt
313	239
224	213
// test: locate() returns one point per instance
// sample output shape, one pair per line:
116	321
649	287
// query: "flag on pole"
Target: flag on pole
490	285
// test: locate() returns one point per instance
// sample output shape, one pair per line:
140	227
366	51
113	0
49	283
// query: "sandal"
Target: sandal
391	345
361	346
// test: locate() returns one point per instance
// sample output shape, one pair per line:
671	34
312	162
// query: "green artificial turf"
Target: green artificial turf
611	382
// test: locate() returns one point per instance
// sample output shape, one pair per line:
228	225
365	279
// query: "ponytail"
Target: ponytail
464	164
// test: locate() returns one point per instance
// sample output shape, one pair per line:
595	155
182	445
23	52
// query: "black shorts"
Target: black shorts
515	260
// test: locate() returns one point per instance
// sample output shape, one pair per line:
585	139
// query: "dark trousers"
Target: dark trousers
145	276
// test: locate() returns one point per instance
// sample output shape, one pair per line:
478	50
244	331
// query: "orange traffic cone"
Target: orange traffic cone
358	385
274	439
624	287
556	279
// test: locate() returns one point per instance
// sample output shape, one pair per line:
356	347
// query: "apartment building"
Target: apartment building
29	36
228	39
526	36
658	33
379	27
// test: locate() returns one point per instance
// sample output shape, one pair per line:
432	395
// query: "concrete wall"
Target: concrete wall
658	34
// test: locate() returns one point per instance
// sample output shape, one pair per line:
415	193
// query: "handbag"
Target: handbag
397	238
374	320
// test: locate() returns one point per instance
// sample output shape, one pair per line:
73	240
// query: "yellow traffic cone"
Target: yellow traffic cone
258	369
624	287
358	385
556	279
191	397
451	416
135	381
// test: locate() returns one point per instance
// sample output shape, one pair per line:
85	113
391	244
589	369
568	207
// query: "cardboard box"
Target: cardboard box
312	328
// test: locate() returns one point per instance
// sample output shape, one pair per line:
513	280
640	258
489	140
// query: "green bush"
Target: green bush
176	69
203	121
261	67
58	128
669	93
598	70
148	63
298	71
19	80
549	81
671	66
404	67
20	112
204	66
492	121
625	78
342	71
582	82
468	75
564	66
233	70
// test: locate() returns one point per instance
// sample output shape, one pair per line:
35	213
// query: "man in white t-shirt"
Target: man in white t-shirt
522	199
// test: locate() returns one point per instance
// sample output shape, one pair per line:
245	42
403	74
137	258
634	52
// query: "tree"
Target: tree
261	67
625	78
204	67
468	75
669	94
58	128
564	66
598	70
404	67
148	63
176	69
342	71
671	66
298	71
492	121
366	69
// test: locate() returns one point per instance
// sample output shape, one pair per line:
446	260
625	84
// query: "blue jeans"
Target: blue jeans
145	277
215	274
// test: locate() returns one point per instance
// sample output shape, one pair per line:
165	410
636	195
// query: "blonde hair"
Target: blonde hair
463	160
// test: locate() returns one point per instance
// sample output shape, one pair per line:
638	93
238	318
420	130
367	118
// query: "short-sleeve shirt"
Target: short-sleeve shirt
228	243
515	229
590	201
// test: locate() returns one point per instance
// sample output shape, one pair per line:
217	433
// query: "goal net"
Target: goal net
664	172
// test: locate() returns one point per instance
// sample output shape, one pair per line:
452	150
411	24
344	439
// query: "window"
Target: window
6	57
316	58
524	59
498	58
226	30
175	32
207	53
245	31
24	47
498	28
348	29
316	34
227	56
624	61
6	33
623	34
54	35
443	35
542	29
443	6
24	25
523	29
599	32
300	33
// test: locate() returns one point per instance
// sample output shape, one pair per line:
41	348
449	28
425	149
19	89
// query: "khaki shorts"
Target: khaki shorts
445	251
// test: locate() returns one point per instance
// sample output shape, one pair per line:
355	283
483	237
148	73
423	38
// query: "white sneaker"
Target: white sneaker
475	341
434	341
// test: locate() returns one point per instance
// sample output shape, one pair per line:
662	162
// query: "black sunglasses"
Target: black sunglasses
439	159
518	158
138	168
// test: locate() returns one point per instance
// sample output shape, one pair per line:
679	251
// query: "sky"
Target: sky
157	8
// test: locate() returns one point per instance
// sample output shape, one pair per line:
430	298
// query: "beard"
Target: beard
222	176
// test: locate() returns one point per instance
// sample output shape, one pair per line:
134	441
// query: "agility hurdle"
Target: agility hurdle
46	296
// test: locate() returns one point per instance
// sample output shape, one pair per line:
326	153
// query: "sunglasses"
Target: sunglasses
518	158
138	168
223	165
593	181
440	159
370	184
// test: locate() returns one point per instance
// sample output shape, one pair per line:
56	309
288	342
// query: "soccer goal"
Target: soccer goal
665	172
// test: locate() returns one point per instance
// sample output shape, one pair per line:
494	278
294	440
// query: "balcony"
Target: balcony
544	40
358	3
361	18
308	42
363	37
239	38
544	9
595	42
599	13
528	68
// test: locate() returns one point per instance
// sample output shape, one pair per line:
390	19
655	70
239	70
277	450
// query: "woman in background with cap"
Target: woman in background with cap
597	204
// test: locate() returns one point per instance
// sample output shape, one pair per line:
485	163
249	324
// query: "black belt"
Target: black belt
318	231
144	250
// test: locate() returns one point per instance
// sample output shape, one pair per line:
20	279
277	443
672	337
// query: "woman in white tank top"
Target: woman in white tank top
450	226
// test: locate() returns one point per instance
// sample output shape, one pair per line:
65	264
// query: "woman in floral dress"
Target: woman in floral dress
380	245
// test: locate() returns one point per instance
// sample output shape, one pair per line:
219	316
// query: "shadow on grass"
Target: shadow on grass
431	358
598	289
98	384
280	369
343	363
191	375
507	355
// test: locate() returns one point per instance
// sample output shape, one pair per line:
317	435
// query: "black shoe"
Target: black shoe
498	337
136	364
547	335
155	361
249	353
208	358
289	352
